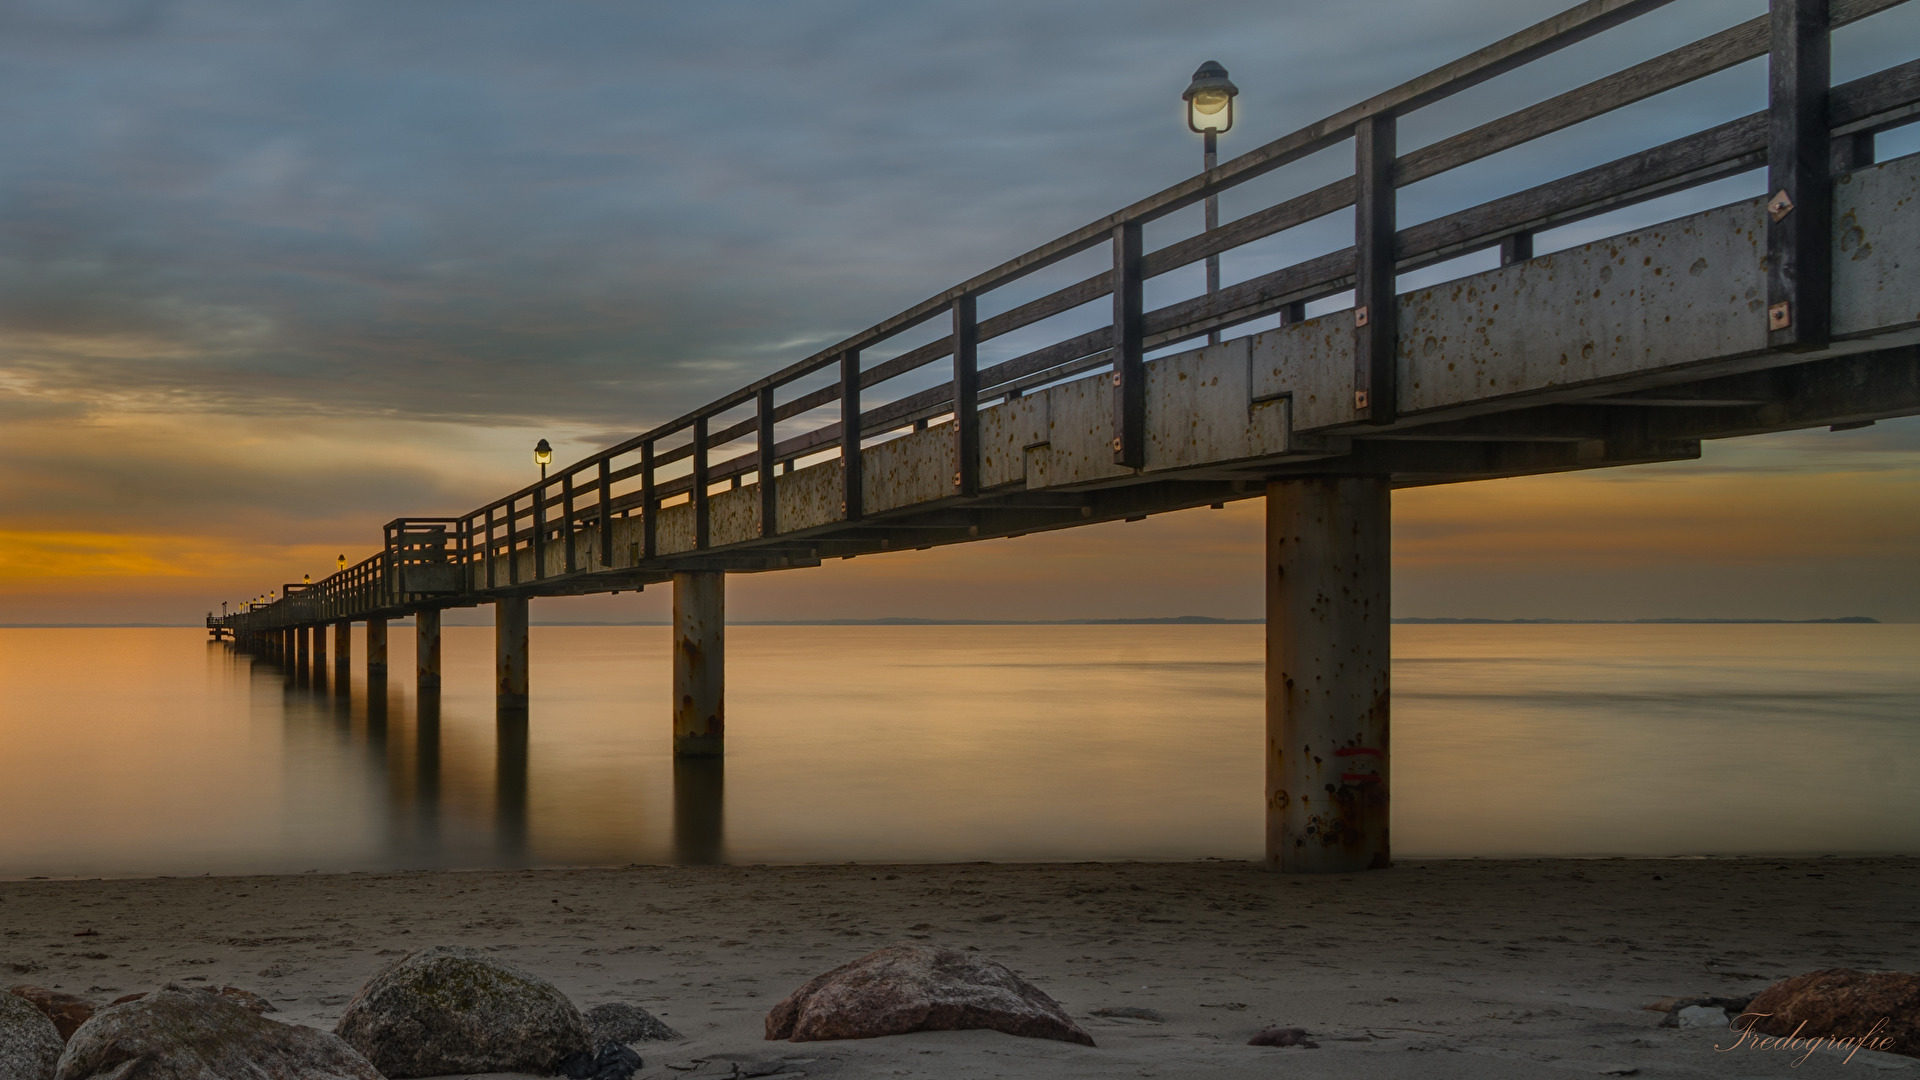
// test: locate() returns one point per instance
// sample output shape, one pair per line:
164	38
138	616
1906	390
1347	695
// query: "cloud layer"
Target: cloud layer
284	272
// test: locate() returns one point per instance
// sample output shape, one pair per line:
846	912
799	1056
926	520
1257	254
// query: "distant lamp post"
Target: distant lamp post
1209	99
340	563
543	456
306	579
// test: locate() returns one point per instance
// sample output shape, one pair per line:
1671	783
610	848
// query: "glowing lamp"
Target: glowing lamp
1209	99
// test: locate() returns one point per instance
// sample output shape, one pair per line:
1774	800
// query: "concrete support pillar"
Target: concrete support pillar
302	650
342	650
510	652
320	651
376	648
1328	593
699	664
427	646
286	646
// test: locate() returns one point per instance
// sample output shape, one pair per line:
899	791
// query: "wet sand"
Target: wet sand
1445	968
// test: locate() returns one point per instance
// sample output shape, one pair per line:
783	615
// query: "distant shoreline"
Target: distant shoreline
1177	620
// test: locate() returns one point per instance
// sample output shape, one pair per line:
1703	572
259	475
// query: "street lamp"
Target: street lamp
542	456
340	563
1209	99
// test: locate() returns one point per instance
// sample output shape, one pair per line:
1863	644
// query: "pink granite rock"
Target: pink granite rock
1842	1003
905	988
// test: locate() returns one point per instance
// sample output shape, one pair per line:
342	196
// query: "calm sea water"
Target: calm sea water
144	751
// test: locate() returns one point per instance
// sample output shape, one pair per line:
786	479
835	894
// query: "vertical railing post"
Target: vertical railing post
1851	152
570	562
1129	367
1800	203
769	495
649	505
486	547
540	531
606	514
966	396
851	483
702	519
1375	311
513	542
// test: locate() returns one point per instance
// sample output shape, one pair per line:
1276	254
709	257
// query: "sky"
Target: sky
271	275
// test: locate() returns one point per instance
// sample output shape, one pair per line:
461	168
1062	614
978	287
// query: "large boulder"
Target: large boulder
65	1010
189	1033
904	988
29	1043
1842	1003
619	1022
451	1009
246	999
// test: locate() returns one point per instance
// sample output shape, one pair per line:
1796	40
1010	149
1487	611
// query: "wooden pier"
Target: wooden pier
1797	309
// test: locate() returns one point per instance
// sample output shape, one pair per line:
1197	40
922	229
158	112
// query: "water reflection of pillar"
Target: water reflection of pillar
510	784
343	653
377	718
699	805
426	766
319	662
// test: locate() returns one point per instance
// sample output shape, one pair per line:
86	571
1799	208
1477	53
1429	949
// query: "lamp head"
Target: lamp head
542	453
1209	99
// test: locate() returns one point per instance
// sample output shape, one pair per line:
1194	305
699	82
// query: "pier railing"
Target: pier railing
830	404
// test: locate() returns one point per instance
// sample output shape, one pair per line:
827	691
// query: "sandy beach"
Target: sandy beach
1477	968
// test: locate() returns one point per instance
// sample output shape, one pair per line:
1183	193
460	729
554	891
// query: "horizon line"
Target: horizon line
1174	620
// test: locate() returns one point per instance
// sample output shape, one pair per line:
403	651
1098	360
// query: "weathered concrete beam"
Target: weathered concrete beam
377	647
427	647
699	664
342	651
1328	701
510	640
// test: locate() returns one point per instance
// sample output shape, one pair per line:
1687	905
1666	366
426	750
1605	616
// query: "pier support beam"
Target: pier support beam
376	648
302	652
319	670
342	651
510	652
699	664
1328	592
427	647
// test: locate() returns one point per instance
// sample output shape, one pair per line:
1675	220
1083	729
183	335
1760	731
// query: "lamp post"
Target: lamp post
1209	99
340	563
542	456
